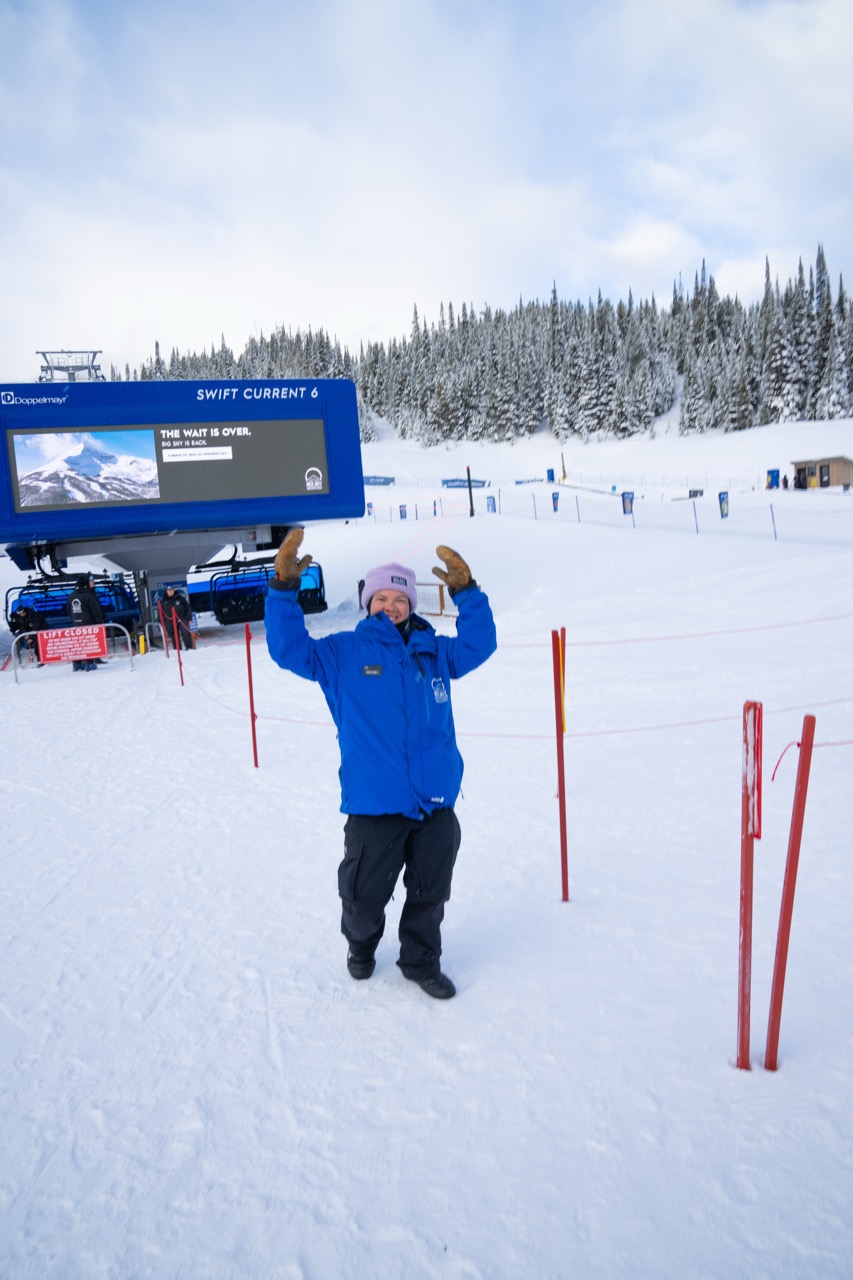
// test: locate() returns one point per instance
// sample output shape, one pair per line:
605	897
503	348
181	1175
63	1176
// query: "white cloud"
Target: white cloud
176	174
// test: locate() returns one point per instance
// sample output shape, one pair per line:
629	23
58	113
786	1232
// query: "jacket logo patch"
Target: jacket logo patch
438	689
369	670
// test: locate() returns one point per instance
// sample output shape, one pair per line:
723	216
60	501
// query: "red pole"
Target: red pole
252	715
789	886
178	645
163	626
750	830
561	775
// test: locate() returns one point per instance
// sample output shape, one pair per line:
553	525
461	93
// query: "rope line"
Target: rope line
846	743
548	737
687	635
586	644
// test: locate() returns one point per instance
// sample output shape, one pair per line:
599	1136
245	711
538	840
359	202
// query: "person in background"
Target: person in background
16	622
84	609
176	606
387	685
22	622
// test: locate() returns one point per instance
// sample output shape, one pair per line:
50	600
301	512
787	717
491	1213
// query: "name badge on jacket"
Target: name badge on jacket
369	670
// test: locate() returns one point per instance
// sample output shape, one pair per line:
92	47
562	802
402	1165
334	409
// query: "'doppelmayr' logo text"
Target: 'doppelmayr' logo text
9	397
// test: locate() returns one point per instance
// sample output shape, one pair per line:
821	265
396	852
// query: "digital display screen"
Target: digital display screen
167	463
83	460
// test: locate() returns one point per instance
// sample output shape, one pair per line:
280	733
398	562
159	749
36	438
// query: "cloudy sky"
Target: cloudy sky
178	171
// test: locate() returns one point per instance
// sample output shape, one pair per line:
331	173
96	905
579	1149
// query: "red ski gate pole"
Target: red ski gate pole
178	646
789	886
750	830
252	715
163	628
558	652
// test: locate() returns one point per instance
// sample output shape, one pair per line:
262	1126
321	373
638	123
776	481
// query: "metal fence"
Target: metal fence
781	522
799	517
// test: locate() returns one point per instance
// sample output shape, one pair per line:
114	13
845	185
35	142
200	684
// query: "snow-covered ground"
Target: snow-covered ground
192	1085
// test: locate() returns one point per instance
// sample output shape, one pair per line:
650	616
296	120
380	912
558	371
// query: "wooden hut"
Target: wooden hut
823	473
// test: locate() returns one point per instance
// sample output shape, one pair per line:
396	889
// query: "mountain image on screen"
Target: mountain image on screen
88	474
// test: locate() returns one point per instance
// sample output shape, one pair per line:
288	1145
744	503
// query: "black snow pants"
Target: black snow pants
376	849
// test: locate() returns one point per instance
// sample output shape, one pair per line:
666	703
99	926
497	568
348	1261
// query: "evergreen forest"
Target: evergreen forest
577	369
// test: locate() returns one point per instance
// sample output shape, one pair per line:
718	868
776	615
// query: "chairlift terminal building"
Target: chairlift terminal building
159	475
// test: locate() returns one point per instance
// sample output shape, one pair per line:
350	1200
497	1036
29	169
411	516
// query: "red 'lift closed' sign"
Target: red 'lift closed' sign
72	644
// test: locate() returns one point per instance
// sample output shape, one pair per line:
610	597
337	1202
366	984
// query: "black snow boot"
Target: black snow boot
360	966
437	985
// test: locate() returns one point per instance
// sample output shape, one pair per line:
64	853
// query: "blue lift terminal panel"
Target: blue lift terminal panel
83	460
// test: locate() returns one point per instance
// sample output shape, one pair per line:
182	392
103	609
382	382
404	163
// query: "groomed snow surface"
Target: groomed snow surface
192	1086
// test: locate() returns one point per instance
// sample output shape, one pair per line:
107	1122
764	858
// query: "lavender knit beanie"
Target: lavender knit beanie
390	577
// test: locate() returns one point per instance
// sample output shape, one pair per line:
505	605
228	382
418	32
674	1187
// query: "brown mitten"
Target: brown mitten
287	567
457	574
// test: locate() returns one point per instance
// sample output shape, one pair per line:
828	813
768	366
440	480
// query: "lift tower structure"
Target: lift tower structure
70	366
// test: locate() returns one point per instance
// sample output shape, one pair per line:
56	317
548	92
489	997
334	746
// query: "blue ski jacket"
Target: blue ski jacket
389	699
